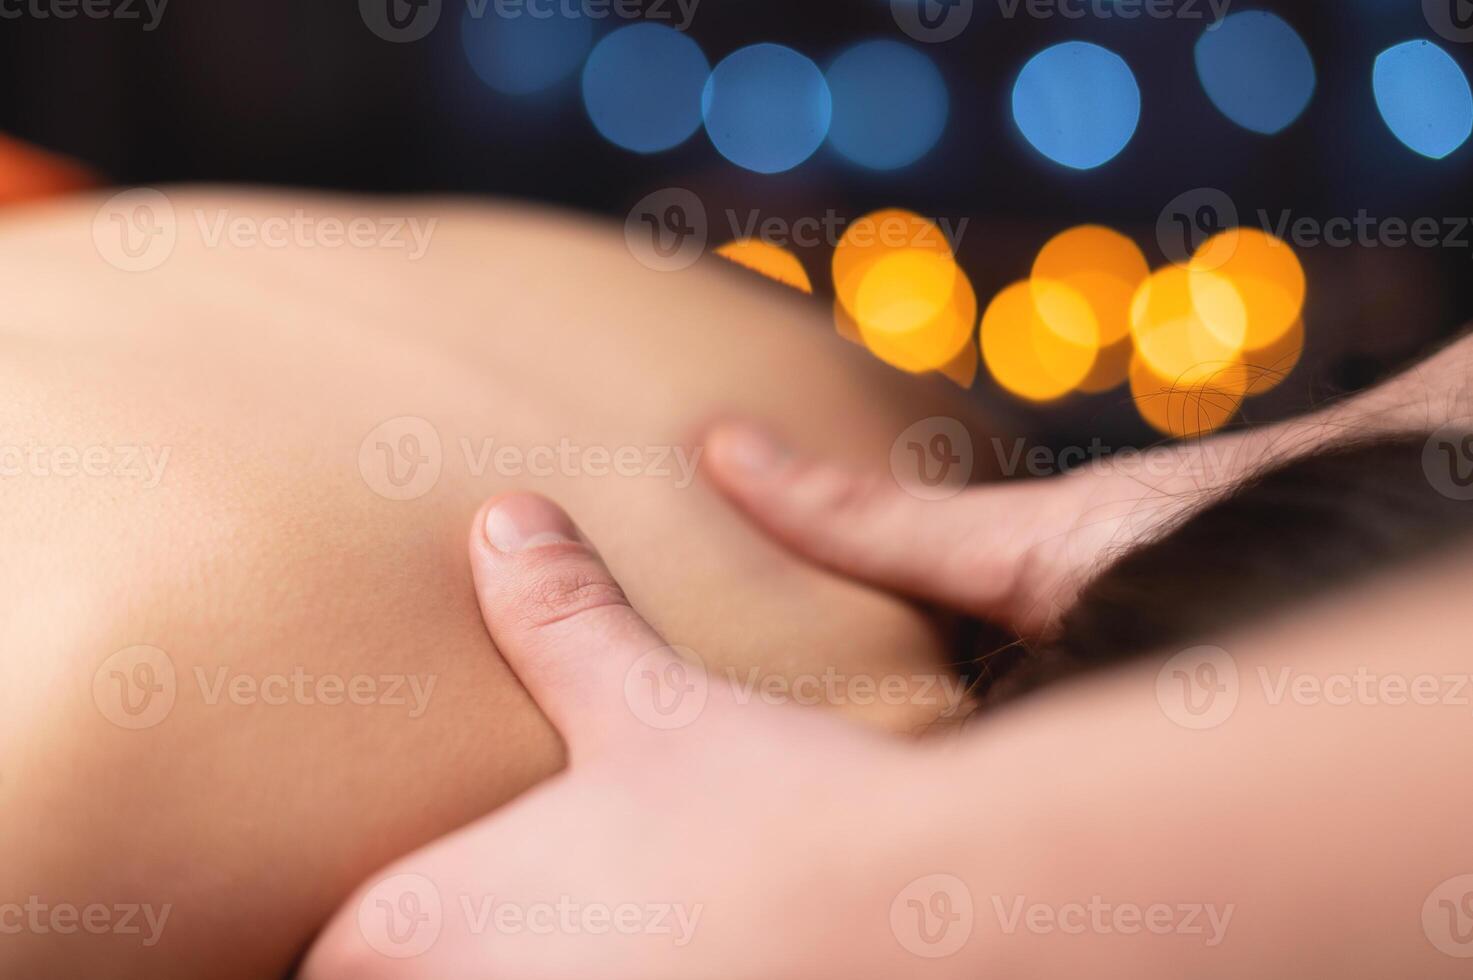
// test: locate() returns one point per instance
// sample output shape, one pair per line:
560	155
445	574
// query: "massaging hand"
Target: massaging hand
1018	553
1014	553
689	837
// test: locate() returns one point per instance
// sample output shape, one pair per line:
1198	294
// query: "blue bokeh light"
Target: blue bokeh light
522	54
1424	97
642	87
890	104
767	108
1257	70
1077	103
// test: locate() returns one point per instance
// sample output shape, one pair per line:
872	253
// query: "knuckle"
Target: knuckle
835	513
851	496
822	487
868	492
562	590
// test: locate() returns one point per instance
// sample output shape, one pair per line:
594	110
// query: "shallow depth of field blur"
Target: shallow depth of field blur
1119	218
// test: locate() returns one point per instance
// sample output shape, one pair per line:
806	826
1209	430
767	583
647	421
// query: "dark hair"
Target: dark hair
1290	534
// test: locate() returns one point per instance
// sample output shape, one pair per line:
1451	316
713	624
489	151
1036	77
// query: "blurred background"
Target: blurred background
1009	120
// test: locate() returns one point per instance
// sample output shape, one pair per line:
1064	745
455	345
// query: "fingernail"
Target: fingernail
524	521
749	449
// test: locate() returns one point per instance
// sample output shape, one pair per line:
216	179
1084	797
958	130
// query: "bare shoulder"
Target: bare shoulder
237	630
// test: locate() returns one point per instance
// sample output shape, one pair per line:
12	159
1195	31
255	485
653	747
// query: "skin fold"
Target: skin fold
196	465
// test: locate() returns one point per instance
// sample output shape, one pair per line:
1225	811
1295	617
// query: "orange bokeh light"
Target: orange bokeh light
1024	348
769	260
874	236
915	310
1266	273
899	290
1187	410
1187	326
1104	266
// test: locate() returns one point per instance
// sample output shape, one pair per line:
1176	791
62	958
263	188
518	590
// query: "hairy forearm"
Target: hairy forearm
1432	393
1151	492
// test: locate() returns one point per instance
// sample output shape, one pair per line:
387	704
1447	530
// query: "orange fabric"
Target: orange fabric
28	173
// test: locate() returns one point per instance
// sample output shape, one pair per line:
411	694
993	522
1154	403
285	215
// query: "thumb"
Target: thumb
567	630
962	552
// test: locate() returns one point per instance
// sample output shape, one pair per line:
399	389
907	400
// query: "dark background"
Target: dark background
300	92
